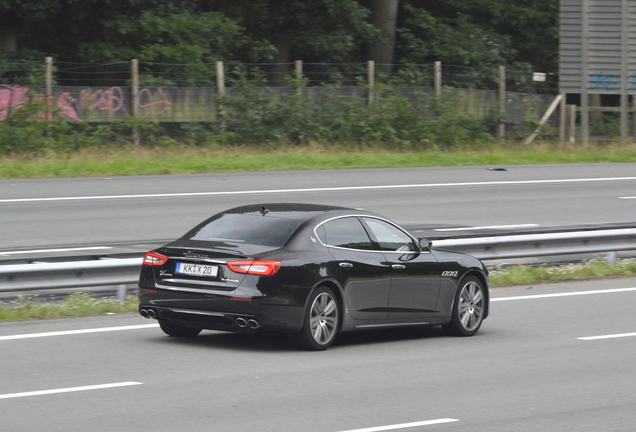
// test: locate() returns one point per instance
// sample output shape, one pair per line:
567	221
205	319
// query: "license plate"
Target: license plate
197	270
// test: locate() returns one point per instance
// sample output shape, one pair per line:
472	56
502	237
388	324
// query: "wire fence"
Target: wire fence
23	72
163	92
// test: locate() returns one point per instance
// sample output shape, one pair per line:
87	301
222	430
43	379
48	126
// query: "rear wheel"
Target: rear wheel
172	329
468	308
322	321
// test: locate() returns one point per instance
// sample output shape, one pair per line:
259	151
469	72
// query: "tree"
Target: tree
384	17
315	31
504	31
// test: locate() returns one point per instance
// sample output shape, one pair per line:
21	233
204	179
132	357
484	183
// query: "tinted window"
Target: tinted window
346	233
243	228
390	237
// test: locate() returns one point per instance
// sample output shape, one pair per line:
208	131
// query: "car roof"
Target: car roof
295	211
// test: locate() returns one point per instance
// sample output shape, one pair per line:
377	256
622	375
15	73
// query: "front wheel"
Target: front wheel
322	321
175	330
468	308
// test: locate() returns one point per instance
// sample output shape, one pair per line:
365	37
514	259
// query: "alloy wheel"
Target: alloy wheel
323	320
471	305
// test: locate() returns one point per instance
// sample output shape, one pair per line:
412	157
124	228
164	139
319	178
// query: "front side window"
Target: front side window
345	232
389	236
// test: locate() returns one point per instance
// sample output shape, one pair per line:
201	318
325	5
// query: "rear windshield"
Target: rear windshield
245	229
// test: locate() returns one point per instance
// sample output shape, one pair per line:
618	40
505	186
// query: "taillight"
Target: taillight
154	259
260	268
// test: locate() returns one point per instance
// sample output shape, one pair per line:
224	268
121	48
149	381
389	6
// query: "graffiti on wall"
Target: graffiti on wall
603	81
151	102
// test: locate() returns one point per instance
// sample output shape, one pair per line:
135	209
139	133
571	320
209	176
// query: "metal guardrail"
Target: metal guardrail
535	245
74	274
39	276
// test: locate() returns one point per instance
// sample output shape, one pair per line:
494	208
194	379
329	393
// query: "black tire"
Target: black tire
175	330
468	308
322	321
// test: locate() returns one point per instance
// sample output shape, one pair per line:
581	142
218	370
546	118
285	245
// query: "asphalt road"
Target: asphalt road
526	370
135	214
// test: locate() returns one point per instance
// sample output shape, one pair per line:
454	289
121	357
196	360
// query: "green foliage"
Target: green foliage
395	119
476	33
22	70
456	42
496	32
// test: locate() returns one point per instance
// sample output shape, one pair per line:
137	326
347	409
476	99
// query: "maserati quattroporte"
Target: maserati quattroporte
311	271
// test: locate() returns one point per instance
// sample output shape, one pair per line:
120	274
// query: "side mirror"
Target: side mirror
425	245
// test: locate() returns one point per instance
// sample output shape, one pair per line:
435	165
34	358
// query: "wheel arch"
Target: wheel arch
482	278
337	291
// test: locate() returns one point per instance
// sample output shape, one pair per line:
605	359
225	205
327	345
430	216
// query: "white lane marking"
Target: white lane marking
56	250
404	425
69	390
74	332
328	189
634	197
487	227
621	335
566	294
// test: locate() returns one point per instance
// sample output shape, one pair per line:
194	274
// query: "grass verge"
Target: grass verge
183	159
593	269
78	304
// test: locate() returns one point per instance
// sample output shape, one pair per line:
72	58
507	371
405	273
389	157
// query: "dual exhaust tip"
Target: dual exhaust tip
251	323
241	322
147	313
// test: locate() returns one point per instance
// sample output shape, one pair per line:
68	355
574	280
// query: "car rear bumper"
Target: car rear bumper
222	312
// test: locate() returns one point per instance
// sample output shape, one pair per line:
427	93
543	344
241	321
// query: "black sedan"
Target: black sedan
311	271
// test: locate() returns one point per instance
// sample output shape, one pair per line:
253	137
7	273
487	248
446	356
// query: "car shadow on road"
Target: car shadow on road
271	341
392	335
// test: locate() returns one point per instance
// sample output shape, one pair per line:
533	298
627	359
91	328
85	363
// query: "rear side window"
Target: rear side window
345	233
245	228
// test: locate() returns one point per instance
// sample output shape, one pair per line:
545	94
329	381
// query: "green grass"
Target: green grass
594	269
181	159
79	304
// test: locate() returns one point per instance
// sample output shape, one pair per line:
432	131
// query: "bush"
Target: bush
253	115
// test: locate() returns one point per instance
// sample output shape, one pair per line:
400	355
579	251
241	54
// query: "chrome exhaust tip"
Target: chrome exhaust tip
241	322
253	324
143	313
151	313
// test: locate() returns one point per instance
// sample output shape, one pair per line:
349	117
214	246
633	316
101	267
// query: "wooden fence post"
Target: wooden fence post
501	131
438	78
134	81
371	80
572	120
544	119
633	107
220	85
562	121
299	75
48	81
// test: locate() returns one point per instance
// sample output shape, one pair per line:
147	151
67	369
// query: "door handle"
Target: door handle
398	266
345	265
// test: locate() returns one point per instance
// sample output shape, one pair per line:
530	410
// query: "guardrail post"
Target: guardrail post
121	294
611	258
